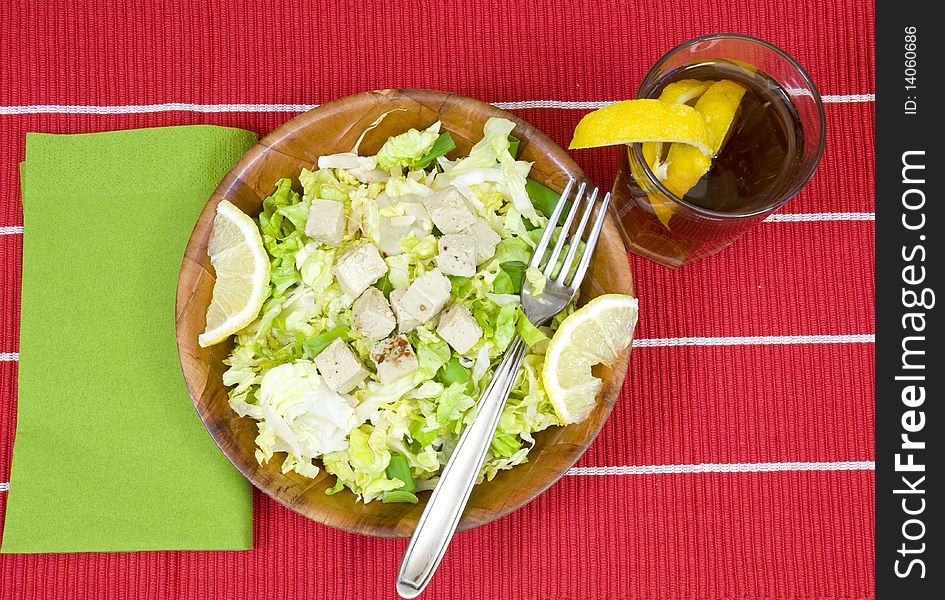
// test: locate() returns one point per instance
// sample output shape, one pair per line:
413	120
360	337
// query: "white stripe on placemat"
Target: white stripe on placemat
704	468
78	109
775	218
126	109
756	340
556	104
759	340
726	468
809	217
849	98
593	105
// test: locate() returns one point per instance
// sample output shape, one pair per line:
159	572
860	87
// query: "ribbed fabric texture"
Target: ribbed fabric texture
693	535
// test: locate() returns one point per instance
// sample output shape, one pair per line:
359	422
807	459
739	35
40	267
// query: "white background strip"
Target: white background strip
9	356
11	230
4	486
757	340
297	108
726	468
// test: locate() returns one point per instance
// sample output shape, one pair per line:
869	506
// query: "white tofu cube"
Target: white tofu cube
449	211
427	295
394	359
326	222
371	315
359	268
486	240
458	328
339	367
457	254
405	322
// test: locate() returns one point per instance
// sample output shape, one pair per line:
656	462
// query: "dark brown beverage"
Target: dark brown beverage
761	149
762	162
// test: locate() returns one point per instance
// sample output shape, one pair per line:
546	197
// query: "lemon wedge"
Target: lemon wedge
685	166
719	104
594	334
684	91
647	120
242	274
678	92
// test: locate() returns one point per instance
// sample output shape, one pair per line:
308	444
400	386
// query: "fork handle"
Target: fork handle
445	506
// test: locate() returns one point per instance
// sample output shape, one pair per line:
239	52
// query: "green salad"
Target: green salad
394	291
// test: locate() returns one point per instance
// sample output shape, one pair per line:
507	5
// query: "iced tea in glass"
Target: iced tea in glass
770	152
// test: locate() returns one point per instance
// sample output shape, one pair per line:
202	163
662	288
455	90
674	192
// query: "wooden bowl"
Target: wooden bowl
335	127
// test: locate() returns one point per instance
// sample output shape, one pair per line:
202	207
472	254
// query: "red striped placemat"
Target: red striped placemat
737	462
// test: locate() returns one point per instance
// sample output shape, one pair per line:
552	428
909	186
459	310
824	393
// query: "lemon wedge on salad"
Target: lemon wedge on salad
594	334
242	270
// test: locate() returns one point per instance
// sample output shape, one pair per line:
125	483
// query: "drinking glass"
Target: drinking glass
675	231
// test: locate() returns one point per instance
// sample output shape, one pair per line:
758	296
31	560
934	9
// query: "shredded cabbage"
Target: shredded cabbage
405	149
271	373
302	417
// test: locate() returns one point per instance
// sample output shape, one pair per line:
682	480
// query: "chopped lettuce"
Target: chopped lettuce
302	417
536	281
544	198
432	351
383	439
407	149
314	266
443	144
490	161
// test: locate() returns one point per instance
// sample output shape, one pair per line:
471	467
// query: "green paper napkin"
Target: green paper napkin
110	454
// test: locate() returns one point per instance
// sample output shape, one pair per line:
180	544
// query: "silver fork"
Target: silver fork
445	506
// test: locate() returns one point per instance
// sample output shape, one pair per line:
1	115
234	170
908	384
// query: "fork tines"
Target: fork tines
572	239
